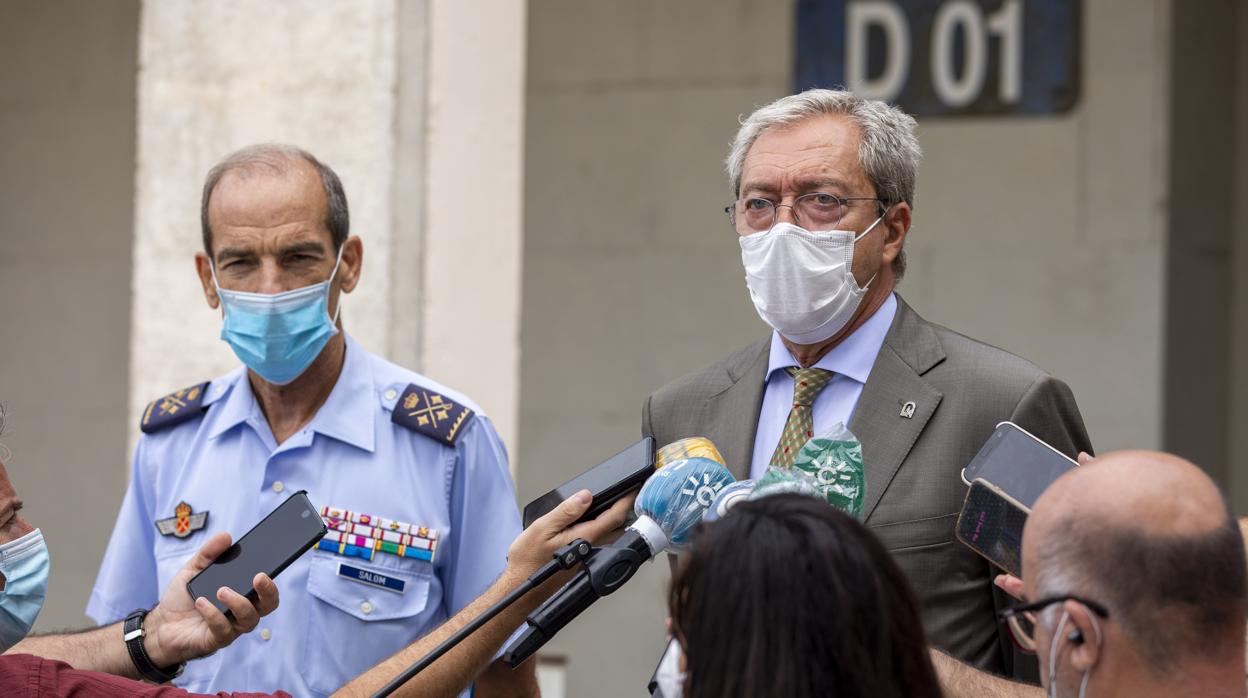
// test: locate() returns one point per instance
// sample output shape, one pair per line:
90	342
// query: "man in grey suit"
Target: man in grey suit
825	183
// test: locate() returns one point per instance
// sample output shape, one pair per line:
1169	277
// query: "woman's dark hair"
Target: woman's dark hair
787	596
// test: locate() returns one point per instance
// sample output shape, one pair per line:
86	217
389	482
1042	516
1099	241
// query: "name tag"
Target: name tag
380	581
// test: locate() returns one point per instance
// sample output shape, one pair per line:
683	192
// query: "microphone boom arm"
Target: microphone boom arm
565	558
605	570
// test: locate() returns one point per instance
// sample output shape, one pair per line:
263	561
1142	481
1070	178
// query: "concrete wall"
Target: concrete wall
66	193
1238	451
1041	235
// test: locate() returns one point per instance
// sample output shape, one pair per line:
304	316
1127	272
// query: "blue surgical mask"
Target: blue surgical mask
278	335
25	565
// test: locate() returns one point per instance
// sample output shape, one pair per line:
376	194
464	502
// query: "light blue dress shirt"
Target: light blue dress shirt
328	628
851	361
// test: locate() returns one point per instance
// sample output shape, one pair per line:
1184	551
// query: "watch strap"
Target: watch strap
133	634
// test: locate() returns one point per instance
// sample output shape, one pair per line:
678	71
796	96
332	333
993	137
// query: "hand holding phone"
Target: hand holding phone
179	630
607	482
278	540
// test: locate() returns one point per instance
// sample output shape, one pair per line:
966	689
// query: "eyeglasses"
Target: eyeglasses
1021	619
814	211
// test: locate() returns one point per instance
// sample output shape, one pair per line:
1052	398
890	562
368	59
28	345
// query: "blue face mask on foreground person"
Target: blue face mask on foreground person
278	335
25	565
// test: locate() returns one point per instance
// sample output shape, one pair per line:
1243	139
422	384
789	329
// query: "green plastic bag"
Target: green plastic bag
834	461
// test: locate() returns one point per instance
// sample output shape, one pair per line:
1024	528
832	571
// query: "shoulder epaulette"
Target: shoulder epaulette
174	408
432	414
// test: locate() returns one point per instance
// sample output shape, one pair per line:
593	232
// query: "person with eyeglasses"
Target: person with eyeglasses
823	186
1135	583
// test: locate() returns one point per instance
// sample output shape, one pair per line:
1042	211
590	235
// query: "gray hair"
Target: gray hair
888	149
278	157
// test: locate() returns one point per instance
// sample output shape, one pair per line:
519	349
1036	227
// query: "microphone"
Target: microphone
728	498
671	502
689	447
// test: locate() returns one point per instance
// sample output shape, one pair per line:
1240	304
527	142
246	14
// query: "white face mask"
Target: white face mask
669	676
801	282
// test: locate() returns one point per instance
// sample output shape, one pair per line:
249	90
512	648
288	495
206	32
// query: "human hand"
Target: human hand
182	628
1010	584
536	545
1084	458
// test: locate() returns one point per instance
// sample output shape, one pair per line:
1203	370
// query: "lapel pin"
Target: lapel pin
907	410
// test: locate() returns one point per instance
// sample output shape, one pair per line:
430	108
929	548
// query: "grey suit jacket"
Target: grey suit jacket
962	389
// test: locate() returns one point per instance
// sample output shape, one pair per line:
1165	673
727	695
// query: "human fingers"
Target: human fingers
1084	458
598	528
266	594
1010	584
562	516
218	625
209	551
246	617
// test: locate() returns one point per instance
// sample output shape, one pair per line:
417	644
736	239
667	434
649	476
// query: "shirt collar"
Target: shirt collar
347	415
853	357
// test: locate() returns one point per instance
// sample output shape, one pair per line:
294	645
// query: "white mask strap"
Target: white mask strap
867	286
330	286
872	226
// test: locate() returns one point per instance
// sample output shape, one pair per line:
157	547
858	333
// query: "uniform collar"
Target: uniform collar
853	357
348	414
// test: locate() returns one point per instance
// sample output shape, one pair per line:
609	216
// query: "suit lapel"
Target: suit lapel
731	416
910	349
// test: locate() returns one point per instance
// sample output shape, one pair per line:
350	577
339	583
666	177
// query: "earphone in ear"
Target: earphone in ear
1075	637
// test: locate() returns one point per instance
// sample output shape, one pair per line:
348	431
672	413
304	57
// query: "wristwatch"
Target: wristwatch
133	634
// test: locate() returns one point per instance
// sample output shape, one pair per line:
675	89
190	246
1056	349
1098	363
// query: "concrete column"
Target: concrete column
1199	271
403	120
473	225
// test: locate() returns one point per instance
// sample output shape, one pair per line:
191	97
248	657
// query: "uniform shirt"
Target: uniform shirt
328	628
851	361
28	676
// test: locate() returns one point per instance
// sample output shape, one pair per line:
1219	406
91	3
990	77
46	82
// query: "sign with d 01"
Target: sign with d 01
944	57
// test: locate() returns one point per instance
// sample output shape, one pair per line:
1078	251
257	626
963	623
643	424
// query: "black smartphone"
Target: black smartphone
1017	462
991	524
270	546
608	481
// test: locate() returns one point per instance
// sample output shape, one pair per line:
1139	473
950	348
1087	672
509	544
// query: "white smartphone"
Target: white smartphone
1018	463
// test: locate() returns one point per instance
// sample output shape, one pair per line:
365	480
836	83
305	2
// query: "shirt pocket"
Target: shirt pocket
171	554
355	624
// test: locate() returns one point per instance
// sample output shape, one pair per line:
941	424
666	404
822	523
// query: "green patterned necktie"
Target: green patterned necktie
807	382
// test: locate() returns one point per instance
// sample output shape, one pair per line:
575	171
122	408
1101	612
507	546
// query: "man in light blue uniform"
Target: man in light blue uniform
411	477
